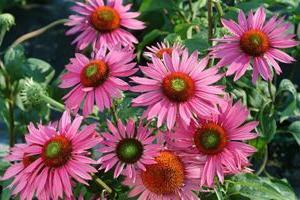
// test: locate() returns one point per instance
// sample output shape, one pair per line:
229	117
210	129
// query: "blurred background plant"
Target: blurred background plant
33	55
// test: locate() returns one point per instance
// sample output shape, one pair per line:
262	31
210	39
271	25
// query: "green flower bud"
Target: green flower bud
32	93
6	21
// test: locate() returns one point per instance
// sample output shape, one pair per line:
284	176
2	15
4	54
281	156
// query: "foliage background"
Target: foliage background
169	20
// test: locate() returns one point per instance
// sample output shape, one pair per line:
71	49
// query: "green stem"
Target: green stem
35	33
11	117
183	16
2	34
270	91
102	184
219	8
265	161
191	9
56	104
114	113
12	133
210	21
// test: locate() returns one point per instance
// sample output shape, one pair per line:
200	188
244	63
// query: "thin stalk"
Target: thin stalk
11	129
2	68
191	9
219	8
11	116
183	16
38	32
2	34
210	21
102	184
114	113
270	91
52	102
263	165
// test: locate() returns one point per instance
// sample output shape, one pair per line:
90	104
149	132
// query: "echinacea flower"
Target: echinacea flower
169	179
97	79
177	86
254	41
103	25
61	156
21	184
162	48
219	141
127	148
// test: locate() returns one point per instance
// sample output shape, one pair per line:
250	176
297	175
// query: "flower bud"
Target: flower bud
6	21
32	92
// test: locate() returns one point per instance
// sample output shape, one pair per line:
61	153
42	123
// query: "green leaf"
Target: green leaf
172	38
259	95
182	29
298	100
254	187
148	38
286	99
239	94
247	6
198	42
4	111
294	129
126	111
5	194
15	62
259	143
40	70
152	5
267	122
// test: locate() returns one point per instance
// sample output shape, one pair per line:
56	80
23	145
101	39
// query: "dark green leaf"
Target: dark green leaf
152	5
267	122
254	187
5	194
258	95
198	42
286	99
15	62
39	70
172	38
149	38
294	129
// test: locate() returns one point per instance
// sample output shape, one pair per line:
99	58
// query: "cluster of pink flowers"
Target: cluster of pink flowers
206	133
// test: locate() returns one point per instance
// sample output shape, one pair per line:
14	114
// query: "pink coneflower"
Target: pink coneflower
254	42
103	25
127	148
21	185
162	48
177	86
62	156
170	178
97	79
219	140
